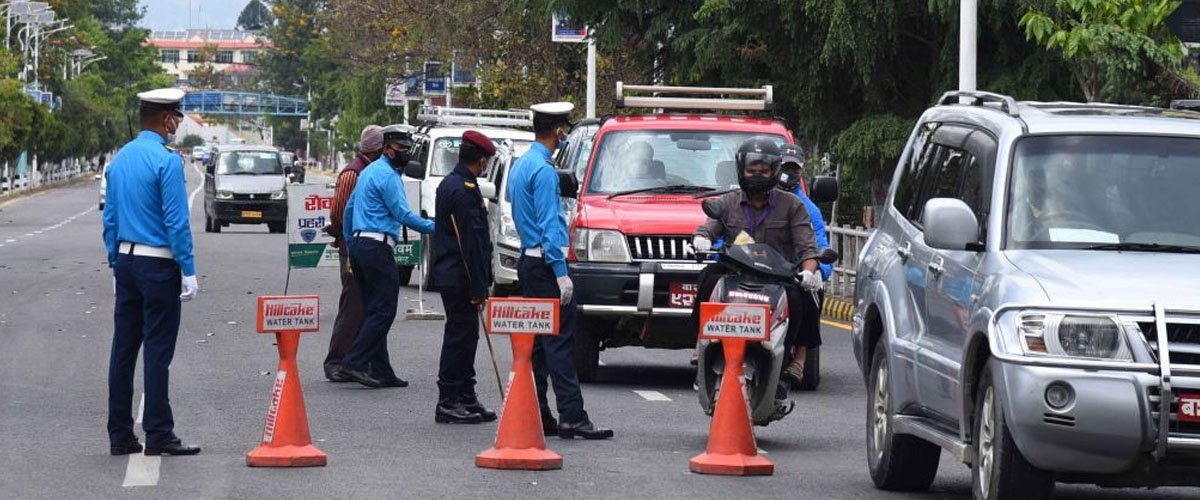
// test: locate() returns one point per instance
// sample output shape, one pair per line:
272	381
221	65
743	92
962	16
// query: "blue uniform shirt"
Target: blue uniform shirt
146	201
818	223
379	205
537	212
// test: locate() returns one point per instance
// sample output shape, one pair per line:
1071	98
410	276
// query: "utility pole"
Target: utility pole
591	76
968	21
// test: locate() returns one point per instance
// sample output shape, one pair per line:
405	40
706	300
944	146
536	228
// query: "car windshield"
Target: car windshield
445	153
648	159
250	163
1106	192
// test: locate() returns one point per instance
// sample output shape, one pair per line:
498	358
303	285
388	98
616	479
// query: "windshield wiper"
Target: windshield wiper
1145	247
673	188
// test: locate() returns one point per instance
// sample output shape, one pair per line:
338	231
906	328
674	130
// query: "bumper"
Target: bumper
242	211
1110	428
638	289
504	265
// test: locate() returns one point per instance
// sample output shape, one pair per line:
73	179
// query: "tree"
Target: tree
1116	49
190	141
255	17
205	75
867	152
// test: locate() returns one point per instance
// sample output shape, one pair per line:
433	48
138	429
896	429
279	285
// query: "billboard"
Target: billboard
308	214
435	83
563	30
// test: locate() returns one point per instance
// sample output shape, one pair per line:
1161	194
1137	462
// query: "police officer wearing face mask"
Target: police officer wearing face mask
372	220
771	216
791	180
149	241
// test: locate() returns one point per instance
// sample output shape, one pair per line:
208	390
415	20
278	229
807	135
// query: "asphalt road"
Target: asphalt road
55	333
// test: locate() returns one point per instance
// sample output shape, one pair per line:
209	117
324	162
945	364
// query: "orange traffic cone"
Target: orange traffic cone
731	449
519	440
286	441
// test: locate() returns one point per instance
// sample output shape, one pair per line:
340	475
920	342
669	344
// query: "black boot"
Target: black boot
470	401
584	429
450	410
549	423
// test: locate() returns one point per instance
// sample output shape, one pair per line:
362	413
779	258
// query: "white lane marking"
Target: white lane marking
652	395
761	451
192	198
48	229
142	470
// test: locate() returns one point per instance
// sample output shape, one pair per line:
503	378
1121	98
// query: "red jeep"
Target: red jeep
631	234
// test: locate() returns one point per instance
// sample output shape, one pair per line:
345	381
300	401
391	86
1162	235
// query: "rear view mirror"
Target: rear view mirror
487	189
950	224
693	145
568	187
828	256
824	189
710	208
415	169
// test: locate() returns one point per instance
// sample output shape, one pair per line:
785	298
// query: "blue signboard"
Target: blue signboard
435	83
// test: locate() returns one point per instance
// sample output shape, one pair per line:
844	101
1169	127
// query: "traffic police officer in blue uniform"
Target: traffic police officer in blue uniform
542	270
148	237
372	220
462	273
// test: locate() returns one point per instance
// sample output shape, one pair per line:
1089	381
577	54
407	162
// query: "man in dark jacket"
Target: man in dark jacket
462	272
350	314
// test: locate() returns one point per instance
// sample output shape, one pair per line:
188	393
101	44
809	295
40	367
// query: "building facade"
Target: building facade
233	55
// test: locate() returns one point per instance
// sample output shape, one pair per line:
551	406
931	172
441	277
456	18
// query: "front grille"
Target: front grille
661	247
1184	339
241	196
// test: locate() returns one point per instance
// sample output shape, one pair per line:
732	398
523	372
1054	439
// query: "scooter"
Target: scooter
760	275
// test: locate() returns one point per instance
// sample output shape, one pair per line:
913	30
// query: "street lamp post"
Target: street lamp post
967	37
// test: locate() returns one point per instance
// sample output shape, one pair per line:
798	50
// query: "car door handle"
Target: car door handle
905	251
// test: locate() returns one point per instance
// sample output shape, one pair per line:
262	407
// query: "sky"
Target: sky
175	14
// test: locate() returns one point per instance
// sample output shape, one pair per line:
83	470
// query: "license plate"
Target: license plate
1189	407
251	214
683	294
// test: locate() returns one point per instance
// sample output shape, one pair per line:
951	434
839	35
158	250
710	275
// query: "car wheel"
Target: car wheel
208	225
217	225
276	227
101	206
1000	470
586	353
898	462
405	274
812	370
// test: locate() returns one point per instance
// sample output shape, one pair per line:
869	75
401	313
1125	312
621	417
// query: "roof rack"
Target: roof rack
979	98
440	115
764	102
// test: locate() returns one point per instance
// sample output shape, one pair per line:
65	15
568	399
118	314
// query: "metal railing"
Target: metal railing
848	241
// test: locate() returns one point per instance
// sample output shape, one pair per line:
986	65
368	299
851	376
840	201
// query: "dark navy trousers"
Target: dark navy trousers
460	339
552	355
378	279
147	317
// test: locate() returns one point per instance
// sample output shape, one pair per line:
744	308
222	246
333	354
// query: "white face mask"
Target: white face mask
173	129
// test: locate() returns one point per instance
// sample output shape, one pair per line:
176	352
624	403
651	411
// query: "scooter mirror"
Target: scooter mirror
710	208
828	256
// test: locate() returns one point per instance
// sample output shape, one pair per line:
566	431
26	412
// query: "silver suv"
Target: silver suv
1031	299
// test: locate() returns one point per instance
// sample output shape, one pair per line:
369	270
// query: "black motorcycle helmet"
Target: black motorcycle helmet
759	149
791	167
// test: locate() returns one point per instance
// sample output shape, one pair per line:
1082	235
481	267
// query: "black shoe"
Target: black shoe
172	448
549	424
334	374
453	412
360	377
125	448
584	429
472	404
393	382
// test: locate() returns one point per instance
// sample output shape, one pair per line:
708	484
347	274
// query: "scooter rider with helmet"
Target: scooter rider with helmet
771	216
791	180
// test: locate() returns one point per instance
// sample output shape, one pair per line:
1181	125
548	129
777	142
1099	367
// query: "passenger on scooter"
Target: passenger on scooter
790	180
770	216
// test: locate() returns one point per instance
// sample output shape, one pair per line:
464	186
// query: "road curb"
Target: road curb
12	197
838	308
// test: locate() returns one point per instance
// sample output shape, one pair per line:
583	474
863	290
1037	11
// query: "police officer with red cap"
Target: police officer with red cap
462	272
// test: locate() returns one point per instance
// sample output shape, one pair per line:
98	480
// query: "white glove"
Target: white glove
810	280
701	243
190	287
566	288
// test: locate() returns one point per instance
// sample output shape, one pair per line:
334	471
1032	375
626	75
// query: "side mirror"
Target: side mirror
950	224
710	208
415	169
487	189
828	256
568	187
824	189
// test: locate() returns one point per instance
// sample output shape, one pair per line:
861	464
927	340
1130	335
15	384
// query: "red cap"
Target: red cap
480	141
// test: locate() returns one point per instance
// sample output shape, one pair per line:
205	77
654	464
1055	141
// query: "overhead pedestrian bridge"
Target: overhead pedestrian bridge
220	102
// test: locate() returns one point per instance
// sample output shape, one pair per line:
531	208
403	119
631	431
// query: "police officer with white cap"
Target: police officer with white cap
148	236
542	270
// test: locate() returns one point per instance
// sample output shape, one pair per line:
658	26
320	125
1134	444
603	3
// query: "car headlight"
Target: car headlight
224	195
1072	335
279	195
600	245
508	232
